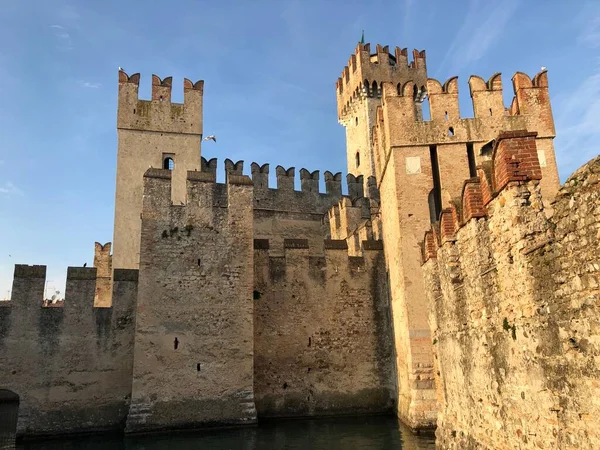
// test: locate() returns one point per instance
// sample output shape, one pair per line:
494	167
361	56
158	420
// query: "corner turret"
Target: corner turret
359	93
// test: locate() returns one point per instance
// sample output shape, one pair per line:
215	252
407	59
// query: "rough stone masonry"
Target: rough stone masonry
223	303
514	297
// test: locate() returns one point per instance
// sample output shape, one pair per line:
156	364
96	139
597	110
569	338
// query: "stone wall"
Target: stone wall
148	133
513	299
450	133
322	337
70	363
574	313
282	212
285	213
104	269
193	357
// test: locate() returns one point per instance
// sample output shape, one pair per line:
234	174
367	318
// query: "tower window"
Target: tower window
450	131
168	164
356	121
357	159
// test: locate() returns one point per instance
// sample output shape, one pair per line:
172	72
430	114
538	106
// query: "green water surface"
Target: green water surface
370	432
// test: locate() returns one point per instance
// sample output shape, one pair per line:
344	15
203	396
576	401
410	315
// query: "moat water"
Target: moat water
371	432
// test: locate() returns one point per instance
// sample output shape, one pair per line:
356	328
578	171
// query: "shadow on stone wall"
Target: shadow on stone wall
9	411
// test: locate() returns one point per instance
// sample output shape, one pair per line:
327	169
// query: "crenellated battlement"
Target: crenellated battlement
152	133
499	273
29	282
399	122
530	110
365	72
514	160
202	191
232	168
161	88
286	178
351	220
487	96
284	197
159	113
283	202
79	350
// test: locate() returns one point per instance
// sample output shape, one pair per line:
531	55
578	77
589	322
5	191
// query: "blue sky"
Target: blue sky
269	68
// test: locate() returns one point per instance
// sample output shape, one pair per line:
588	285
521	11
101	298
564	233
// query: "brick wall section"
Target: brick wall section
484	174
515	158
429	246
472	200
514	321
447	225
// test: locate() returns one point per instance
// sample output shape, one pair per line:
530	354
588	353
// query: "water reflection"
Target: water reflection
372	432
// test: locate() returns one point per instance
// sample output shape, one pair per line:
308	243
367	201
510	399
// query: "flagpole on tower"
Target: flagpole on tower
362	39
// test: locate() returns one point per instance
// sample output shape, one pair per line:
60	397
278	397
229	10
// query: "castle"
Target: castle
435	289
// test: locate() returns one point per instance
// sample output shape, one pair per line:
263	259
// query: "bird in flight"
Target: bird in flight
212	137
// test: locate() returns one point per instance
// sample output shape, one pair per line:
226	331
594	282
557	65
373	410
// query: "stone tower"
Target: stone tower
359	94
419	166
151	133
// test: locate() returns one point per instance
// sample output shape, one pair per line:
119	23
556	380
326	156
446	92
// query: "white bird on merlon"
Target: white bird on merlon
212	137
120	68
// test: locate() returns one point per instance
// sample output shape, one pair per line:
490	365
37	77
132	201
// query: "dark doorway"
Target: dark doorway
9	412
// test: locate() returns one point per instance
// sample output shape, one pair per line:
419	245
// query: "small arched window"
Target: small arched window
356	121
357	159
168	163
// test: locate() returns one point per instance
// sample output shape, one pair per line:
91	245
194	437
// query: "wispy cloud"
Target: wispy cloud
65	42
579	119
482	28
407	17
9	189
87	84
590	35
